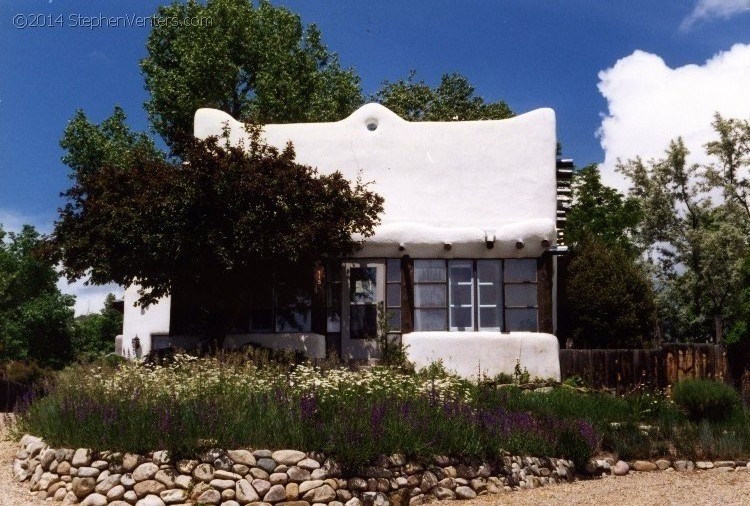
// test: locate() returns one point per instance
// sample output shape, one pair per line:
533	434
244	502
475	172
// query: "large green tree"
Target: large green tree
697	241
454	99
224	219
35	318
608	301
259	64
94	334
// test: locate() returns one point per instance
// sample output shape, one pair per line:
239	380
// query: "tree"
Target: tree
258	64
452	100
94	334
697	245
213	226
608	301
609	296
35	318
602	212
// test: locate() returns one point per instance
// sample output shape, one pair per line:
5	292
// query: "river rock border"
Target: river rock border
266	478
610	466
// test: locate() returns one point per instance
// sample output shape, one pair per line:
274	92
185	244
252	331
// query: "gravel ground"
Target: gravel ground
659	488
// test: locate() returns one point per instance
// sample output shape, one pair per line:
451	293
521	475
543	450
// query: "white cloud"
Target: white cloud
710	9
89	299
650	104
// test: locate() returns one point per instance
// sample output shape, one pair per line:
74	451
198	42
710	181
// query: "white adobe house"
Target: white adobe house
463	261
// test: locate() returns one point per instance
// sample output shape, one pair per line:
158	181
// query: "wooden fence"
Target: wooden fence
624	369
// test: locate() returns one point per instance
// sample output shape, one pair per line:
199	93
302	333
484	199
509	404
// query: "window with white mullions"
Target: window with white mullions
521	306
461	294
490	295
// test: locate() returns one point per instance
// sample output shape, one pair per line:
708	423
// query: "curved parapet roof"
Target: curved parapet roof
469	179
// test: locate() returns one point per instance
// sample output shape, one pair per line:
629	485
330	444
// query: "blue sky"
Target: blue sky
607	65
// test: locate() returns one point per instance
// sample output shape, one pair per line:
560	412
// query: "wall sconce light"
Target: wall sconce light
136	343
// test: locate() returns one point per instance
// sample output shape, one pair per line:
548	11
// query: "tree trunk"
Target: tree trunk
718	329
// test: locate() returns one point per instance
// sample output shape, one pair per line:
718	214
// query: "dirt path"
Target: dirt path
657	489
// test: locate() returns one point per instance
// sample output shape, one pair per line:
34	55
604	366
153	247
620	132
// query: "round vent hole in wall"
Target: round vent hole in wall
372	124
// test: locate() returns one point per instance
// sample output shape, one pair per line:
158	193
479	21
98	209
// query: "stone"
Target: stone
88	472
354	501
465	493
83	486
63	468
209	497
343	495
187	466
61	494
222	484
145	471
131	460
127	480
226	475
324	493
240	469
334	484
319	474
278	478
211	455
261	486
161	457
376	472
94	500
116	493
725	463
288	457
429	480
103	476
230	503
375	499
173	496
204	472
443	494
245	493
276	493
101	465
35	447
46	458
167	477
684	465
292	491
108	483
663	464
130	497
258	473
291	503
644	466
241	457
261	454
148	487
224	463
70	498
120	503
306	486
183	481
64	454
309	464
621	468
298	474
82	457
150	500
268	465
281	468
704	465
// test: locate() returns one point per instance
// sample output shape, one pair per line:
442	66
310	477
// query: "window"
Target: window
468	295
393	294
283	305
430	295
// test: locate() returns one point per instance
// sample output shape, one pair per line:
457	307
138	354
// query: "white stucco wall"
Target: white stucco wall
443	182
143	322
472	354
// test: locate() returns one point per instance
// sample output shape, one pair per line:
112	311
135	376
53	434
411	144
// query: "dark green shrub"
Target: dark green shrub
706	400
